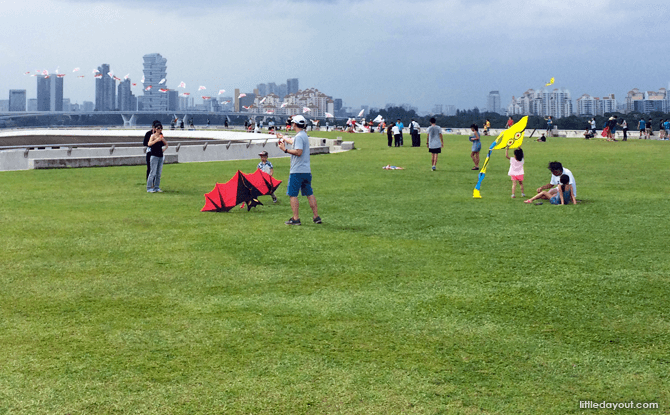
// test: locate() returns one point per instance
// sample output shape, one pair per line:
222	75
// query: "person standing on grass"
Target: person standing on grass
650	130
550	125
158	146
267	168
300	173
435	142
145	143
510	122
476	146
396	135
515	169
643	130
401	126
624	128
593	127
389	134
557	170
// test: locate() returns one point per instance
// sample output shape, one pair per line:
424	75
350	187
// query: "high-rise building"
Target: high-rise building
262	89
292	86
105	89
282	90
173	100
4	105
32	104
43	93
337	104
67	105
493	102
17	100
87	106
155	70
125	96
56	97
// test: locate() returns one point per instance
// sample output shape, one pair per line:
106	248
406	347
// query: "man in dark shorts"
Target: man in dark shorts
434	145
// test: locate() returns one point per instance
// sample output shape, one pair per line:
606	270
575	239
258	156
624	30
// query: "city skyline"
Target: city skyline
445	53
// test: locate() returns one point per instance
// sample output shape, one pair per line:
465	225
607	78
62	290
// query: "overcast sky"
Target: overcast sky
367	52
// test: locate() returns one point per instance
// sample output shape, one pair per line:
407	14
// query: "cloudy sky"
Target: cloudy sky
367	52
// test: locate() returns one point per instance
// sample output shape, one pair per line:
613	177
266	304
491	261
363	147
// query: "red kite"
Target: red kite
242	188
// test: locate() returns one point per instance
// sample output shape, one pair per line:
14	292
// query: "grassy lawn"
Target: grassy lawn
411	298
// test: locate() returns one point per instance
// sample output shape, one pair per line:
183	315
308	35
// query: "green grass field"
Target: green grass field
411	298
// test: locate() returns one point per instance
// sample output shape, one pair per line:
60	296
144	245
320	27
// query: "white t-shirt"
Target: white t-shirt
395	130
557	180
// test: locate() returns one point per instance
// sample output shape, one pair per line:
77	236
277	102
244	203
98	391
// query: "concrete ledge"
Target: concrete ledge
61	163
319	150
347	145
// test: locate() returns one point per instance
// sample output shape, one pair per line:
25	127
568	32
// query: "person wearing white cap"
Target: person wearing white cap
300	174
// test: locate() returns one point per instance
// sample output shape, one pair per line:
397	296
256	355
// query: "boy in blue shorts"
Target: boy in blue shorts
266	166
300	174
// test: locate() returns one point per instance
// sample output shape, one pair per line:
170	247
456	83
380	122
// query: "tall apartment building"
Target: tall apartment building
32	104
56	97
556	103
155	70
493	102
292	86
648	101
43	93
126	100
105	90
17	100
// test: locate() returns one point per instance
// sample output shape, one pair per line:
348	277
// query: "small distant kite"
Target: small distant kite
305	109
75	70
283	104
80	76
97	76
134	84
263	100
142	81
551	82
329	115
360	114
96	71
270	111
245	107
185	94
60	75
163	90
161	82
221	91
148	88
389	167
200	88
241	96
127	76
378	118
206	98
182	85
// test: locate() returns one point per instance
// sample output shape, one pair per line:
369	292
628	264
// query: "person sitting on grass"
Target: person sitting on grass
557	171
562	197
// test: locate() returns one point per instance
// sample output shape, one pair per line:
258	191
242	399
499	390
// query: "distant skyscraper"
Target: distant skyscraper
32	104
493	102
105	90
43	93
262	89
282	90
56	101
173	100
292	86
155	70
125	96
337	104
17	99
87	106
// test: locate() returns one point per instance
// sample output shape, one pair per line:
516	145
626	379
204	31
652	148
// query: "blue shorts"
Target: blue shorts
476	146
299	182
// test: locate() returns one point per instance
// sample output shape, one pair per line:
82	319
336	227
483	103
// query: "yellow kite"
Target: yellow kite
551	82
